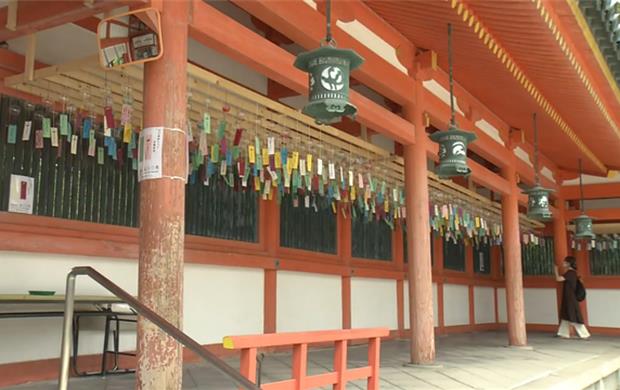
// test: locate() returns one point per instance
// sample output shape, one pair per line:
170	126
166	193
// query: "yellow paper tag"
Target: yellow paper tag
386	206
477	222
251	154
265	156
309	163
278	160
353	193
127	133
295	160
289	165
257	183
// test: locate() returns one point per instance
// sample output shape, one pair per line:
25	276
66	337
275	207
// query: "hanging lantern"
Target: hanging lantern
583	223
538	196
583	228
329	69
453	142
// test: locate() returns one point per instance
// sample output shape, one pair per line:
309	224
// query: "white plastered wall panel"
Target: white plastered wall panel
217	301
373	303
540	306
603	307
502	312
39	338
406	305
484	305
222	301
307	302
455	304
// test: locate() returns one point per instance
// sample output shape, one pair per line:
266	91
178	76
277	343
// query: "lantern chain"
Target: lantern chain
581	186
328	18
452	118
536	171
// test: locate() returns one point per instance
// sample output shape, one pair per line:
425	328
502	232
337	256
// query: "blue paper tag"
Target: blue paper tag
86	128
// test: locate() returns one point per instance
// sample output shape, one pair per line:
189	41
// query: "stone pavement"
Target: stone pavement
466	361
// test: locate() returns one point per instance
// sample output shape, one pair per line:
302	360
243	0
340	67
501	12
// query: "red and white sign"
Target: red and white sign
21	197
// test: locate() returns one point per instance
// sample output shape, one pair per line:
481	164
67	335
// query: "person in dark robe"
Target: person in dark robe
570	313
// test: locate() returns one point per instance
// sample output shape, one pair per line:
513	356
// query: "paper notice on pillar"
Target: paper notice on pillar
21	194
150	153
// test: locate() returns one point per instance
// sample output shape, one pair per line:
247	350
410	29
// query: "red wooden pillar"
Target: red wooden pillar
515	304
422	347
162	206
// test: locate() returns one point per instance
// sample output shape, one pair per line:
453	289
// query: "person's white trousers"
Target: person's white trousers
564	329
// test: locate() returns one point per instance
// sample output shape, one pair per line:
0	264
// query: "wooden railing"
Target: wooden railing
300	341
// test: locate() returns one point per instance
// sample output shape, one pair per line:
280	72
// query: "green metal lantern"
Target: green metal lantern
453	142
583	228
453	151
329	69
538	196
538	203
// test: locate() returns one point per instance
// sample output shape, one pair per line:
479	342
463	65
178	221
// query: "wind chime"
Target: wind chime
583	223
453	142
538	196
329	69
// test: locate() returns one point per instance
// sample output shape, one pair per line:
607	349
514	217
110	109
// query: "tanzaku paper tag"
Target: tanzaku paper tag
54	136
86	128
295	160
127	130
265	157
12	136
360	180
100	155
125	113
206	123
223	168
271	145
38	139
251	154
74	144
319	167
92	146
309	163
27	130
278	161
332	171
64	124
302	167
47	128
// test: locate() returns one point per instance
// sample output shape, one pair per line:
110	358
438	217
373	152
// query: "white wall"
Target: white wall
455	304
217	301
501	305
603	307
373	303
540	306
308	302
222	301
406	305
484	305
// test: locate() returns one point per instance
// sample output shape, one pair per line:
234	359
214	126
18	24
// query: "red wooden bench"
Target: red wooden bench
300	341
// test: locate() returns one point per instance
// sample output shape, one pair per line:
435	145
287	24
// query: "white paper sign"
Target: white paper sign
21	194
150	150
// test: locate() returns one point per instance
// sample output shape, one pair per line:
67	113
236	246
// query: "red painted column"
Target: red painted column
560	242
270	300
422	346
162	206
515	304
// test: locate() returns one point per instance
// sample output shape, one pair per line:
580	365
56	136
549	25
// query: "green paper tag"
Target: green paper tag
47	128
235	153
12	136
100	156
221	130
64	124
215	153
206	123
198	160
134	164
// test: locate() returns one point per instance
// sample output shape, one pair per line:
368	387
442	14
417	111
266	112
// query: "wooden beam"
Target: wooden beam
31	52
608	214
592	191
306	26
222	33
11	19
37	15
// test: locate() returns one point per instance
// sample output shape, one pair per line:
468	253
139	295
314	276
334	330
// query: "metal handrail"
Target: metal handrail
142	310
